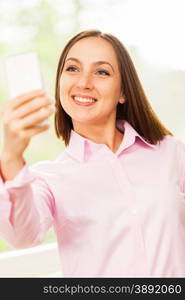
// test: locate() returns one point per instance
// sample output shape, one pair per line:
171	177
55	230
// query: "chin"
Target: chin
84	120
84	117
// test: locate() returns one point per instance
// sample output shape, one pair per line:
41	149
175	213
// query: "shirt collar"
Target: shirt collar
130	135
79	147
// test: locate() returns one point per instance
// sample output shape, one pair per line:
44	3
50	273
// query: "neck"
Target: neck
106	133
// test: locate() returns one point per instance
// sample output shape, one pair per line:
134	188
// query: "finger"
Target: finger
19	100
36	117
32	106
28	133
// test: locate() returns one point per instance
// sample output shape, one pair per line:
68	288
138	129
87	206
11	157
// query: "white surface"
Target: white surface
39	261
23	73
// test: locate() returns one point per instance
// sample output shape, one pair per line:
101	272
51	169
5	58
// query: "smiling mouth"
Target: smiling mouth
85	101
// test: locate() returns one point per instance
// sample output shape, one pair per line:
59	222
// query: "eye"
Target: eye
71	69
103	72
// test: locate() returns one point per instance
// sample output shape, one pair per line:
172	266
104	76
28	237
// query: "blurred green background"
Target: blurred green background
152	31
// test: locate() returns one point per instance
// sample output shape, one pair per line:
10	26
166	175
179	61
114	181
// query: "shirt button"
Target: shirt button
134	212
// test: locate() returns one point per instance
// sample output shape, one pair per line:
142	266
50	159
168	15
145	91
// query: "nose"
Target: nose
85	81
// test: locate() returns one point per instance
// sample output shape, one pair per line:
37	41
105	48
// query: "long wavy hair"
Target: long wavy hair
136	109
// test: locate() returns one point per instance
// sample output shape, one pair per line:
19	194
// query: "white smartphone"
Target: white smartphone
23	72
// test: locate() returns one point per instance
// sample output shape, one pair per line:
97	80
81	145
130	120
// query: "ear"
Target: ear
122	99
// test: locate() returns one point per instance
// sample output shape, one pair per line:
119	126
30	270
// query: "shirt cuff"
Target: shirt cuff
23	178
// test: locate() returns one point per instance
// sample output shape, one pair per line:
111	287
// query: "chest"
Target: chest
104	189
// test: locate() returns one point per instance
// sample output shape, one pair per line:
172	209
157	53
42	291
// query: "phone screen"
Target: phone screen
23	73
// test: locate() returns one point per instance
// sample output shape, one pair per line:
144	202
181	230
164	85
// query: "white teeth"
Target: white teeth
80	99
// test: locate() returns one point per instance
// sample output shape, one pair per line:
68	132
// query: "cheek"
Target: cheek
63	85
109	87
64	89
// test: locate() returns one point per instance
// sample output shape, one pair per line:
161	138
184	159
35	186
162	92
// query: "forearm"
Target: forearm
19	218
25	214
24	218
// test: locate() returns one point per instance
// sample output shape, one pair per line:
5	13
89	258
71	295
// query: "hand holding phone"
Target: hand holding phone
25	115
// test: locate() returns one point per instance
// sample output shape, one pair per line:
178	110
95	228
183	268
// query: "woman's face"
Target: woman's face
90	84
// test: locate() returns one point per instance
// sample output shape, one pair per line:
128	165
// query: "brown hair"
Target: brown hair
136	109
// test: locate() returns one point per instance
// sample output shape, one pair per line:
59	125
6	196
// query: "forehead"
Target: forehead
93	48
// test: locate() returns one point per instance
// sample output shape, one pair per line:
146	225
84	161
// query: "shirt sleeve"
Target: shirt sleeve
26	208
182	165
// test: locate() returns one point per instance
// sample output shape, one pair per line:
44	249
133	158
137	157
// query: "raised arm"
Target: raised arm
26	202
21	121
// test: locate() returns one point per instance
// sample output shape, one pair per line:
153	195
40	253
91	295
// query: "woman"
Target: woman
115	196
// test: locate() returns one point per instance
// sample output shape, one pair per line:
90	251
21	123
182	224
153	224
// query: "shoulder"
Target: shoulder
173	143
176	148
172	148
49	167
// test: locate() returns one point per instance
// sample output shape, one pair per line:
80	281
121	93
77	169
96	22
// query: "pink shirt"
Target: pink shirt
115	214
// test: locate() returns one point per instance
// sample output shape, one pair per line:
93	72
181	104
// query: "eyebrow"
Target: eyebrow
99	62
